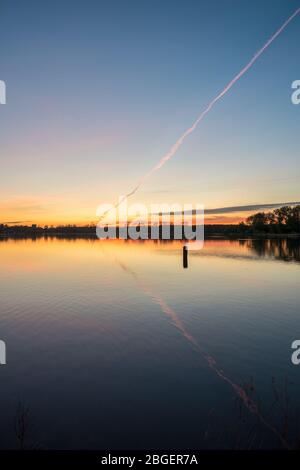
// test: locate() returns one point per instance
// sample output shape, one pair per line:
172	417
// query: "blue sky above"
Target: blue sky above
97	92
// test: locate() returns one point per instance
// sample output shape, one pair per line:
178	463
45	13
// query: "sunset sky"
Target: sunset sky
98	91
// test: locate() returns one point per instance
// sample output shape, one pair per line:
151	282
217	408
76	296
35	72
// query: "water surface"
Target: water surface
112	344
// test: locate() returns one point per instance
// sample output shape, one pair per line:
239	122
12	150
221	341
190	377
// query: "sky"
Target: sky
98	91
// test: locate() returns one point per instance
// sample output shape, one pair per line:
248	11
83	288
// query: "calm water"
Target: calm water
113	344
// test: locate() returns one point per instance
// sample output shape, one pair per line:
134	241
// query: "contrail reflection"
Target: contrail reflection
248	402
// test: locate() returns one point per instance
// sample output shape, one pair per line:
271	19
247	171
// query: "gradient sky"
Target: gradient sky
97	92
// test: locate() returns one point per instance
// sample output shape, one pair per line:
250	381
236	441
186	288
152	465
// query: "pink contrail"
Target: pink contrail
181	139
173	150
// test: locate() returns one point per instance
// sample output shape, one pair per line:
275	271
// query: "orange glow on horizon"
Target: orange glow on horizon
81	222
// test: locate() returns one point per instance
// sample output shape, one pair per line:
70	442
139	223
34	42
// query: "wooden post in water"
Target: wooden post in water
185	257
160	224
172	225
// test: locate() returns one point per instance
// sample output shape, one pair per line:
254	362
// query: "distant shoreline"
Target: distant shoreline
89	232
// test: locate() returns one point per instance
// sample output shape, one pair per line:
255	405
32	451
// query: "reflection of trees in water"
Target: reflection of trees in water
283	249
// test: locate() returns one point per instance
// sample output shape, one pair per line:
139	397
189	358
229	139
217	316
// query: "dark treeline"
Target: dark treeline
285	220
89	231
65	231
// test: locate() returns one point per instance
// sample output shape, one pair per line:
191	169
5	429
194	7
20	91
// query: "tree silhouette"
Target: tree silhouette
283	220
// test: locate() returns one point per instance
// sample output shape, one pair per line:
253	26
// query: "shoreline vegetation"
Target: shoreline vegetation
280	223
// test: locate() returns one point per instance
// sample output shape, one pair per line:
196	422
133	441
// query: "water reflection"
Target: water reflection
283	250
287	250
111	345
238	390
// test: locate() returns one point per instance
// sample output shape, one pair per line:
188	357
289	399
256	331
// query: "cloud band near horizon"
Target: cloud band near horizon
249	208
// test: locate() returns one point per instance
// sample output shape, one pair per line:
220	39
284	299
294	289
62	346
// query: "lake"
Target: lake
113	345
